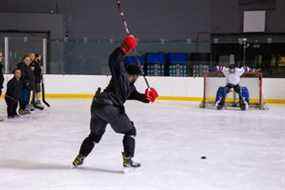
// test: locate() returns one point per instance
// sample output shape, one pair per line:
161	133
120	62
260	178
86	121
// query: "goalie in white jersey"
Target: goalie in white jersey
232	74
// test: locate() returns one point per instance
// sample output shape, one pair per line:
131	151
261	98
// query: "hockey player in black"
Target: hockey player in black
28	82
108	106
13	93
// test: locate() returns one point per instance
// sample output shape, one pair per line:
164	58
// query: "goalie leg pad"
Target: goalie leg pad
221	94
245	94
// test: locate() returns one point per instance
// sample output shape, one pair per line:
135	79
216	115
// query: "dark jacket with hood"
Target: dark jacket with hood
14	87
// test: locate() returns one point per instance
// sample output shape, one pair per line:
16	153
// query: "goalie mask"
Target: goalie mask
232	68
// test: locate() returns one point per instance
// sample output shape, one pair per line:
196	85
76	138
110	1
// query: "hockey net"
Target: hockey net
251	80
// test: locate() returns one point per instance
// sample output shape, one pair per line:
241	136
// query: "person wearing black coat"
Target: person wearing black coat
108	106
27	84
13	93
37	70
1	73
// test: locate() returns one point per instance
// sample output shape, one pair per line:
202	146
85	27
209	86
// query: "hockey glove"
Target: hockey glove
151	94
129	43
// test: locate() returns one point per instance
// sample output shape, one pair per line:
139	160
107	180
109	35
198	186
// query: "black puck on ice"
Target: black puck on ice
203	157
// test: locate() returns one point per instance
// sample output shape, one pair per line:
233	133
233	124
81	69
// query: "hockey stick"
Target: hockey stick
44	94
127	30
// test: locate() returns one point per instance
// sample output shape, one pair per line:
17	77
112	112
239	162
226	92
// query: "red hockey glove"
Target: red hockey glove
129	43
151	94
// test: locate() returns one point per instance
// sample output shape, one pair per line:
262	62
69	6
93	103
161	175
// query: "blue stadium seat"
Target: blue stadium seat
134	60
178	58
155	58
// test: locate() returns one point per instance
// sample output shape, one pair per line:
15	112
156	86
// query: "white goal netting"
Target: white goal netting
253	81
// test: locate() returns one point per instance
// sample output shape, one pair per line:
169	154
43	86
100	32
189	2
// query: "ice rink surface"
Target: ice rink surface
244	150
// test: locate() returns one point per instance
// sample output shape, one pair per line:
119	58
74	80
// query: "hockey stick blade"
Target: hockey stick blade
43	95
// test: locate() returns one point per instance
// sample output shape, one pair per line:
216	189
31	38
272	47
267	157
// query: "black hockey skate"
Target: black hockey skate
244	106
129	163
24	112
220	107
38	105
78	161
220	104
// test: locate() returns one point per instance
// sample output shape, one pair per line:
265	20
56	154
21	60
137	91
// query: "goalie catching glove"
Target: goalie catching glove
151	94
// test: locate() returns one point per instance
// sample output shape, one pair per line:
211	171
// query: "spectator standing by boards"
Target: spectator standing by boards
27	84
1	75
38	81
